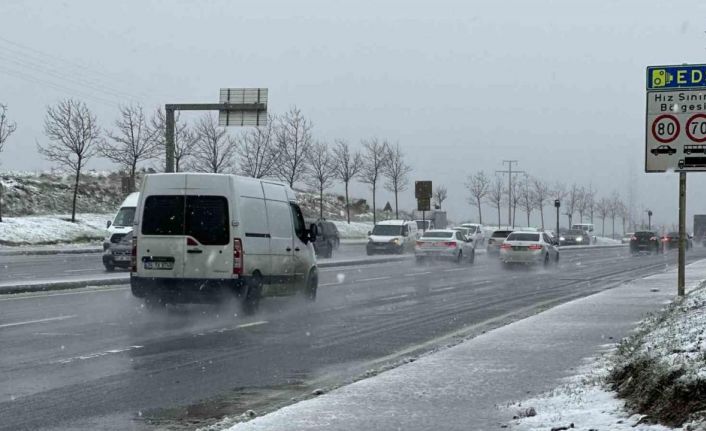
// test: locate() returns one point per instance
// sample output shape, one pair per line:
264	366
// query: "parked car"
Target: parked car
476	232
444	244
626	238
671	241
119	255
575	237
392	236
529	248
645	242
327	237
209	237
495	241
121	224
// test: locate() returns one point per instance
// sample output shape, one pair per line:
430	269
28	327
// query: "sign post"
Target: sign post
675	133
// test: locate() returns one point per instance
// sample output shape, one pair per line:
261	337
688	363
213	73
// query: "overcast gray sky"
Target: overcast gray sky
462	85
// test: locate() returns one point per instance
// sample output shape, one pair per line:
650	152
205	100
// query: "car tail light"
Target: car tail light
506	246
237	256
633	238
535	247
451	244
419	243
133	255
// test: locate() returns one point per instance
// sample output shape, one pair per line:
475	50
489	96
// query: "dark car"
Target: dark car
575	237
663	149
118	254
671	241
645	242
327	239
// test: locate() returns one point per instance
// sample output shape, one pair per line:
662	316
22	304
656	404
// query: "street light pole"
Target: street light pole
649	219
557	204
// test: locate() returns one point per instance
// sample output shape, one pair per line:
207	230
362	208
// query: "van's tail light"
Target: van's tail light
420	243
535	247
237	256
506	247
133	255
633	238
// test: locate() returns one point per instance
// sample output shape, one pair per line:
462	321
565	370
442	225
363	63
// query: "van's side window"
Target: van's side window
298	219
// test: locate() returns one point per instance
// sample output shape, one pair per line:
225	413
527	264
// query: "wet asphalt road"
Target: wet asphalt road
96	359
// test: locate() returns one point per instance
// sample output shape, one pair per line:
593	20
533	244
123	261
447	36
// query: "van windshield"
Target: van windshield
387	230
205	218
125	217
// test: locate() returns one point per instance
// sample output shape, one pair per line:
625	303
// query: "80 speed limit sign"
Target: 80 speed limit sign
675	135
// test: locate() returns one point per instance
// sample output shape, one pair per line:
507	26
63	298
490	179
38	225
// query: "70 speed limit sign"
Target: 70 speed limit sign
676	131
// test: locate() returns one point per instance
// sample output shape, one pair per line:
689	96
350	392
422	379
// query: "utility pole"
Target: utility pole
509	173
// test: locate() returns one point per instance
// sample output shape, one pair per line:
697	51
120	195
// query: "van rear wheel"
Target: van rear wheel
252	294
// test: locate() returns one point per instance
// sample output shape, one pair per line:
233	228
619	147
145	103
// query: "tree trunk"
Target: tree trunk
1	191
480	213
613	234
176	164
131	185
541	216
321	202
348	207
375	219
528	218
397	216
498	216
603	230
78	177
570	216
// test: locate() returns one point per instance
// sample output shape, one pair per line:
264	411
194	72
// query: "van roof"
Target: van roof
394	222
131	200
172	179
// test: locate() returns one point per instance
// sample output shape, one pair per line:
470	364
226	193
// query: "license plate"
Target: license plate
122	258
159	265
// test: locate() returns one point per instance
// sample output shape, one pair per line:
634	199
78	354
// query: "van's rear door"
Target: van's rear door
161	244
209	244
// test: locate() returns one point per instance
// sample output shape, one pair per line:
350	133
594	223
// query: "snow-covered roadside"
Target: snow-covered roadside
659	367
601	240
52	229
354	230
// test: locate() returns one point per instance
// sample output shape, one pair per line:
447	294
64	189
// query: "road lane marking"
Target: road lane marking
455	269
328	284
80	270
96	355
30	322
389	298
442	289
248	325
42	295
417	273
374	279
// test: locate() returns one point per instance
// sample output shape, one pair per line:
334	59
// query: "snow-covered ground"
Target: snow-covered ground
668	348
52	229
354	230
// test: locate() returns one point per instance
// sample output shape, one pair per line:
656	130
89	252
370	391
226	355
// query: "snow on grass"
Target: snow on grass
601	240
354	230
52	229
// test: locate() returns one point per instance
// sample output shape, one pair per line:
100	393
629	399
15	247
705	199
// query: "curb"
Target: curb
50	251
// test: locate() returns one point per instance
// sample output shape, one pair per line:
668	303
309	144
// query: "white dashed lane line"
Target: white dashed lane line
31	322
374	279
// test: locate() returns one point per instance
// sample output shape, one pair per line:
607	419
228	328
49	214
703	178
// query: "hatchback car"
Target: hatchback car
444	244
529	248
119	255
645	242
495	241
671	241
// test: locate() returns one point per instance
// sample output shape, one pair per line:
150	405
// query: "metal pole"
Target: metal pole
169	138
557	222
682	234
424	222
509	195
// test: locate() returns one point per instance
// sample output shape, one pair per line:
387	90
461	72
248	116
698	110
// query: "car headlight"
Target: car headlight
395	241
579	239
561	238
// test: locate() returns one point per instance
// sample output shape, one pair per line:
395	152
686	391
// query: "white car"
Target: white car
529	248
210	237
121	224
444	244
476	232
392	236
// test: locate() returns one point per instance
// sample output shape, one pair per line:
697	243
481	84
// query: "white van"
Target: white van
392	236
122	222
208	237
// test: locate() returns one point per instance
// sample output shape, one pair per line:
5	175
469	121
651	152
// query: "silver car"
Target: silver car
529	248
444	244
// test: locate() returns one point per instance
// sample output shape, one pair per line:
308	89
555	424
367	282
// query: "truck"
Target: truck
700	228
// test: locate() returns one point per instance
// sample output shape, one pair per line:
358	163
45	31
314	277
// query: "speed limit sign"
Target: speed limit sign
665	128
696	128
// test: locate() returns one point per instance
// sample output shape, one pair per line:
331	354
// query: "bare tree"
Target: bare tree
541	195
614	209
347	167
603	208
590	198
571	202
440	194
496	193
515	200
7	128
73	133
397	173
293	134
184	138
131	143
582	203
479	186
527	199
373	164
257	150
320	171
214	150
